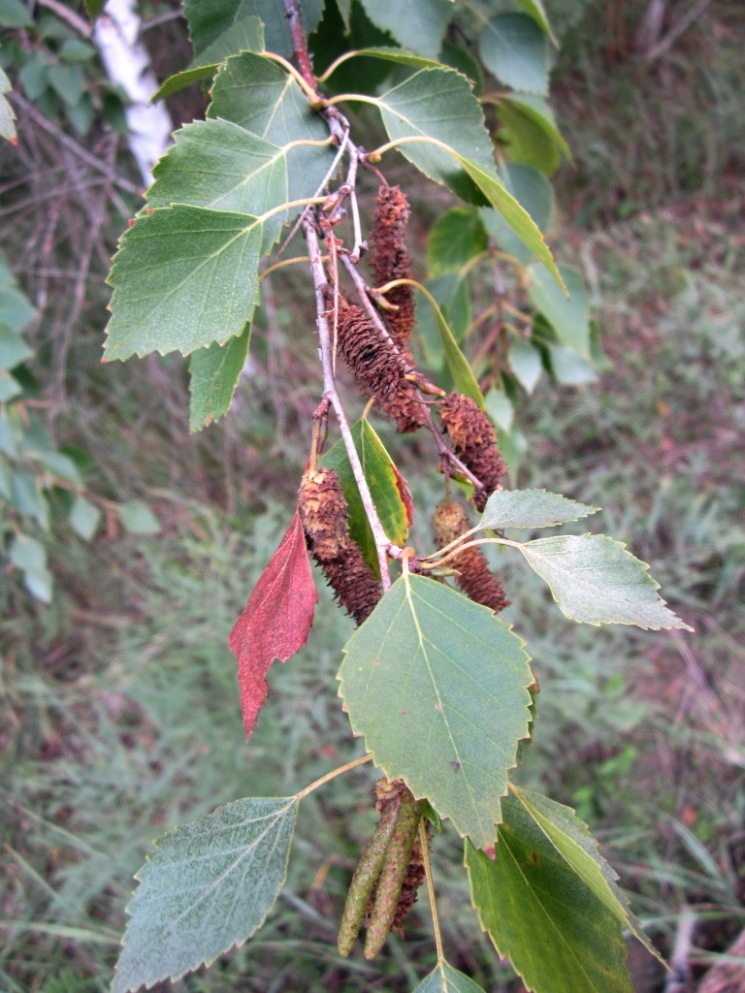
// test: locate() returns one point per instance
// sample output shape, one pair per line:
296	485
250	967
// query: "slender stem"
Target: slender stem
384	546
332	775
283	264
300	44
424	844
437	563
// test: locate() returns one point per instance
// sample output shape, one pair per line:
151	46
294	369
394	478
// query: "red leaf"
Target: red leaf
276	620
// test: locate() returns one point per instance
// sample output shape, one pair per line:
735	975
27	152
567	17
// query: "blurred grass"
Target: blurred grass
118	707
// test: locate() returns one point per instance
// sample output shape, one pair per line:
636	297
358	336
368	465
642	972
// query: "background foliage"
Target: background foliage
119	721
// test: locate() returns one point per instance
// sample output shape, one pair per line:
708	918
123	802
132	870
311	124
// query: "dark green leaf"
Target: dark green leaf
33	77
538	911
207	887
437	685
68	82
594	580
454	239
568	316
525	363
75	50
214	374
446	979
219	165
210	19
138	518
257	94
94	7
183	278
513	47
459	58
536	10
244	36
388	488
84	518
537	110
531	509
419	29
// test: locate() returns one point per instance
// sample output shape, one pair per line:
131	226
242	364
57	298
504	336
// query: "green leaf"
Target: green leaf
569	368
531	509
13	14
210	19
437	685
9	387
398	55
513	47
537	11
30	556
57	464
94	7
68	82
7	114
183	277
459	58
214	373
446	979
536	109
245	36
84	518
75	50
207	887
541	913
388	488
532	191
460	369
568	316
524	142
512	446
27	498
138	518
499	408
15	310
454	300
594	580
525	363
454	239
261	97
420	29
33	77
221	166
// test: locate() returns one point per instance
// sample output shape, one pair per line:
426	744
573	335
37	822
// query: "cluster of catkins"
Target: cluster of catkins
379	355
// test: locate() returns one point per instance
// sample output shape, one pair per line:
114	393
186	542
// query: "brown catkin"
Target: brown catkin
379	368
475	442
391	260
474	577
323	511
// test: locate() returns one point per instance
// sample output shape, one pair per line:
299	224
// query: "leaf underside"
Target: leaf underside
531	509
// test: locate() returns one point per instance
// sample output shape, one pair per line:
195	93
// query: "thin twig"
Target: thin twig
383	544
684	22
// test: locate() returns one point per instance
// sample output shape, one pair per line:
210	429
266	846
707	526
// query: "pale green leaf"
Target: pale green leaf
7	114
454	300
9	387
261	97
420	28
214	373
568	316
446	979
345	9
537	110
573	843
27	498
244	36
138	518
541	914
207	887
13	349
499	408
57	464
525	363
84	518
454	239
13	14
459	367
594	580
398	55
27	553
512	446
513	47
531	509
437	685
4	479
218	165
40	584
569	368
533	192
183	277
15	310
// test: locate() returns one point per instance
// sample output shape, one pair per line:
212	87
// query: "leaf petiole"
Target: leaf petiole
340	771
